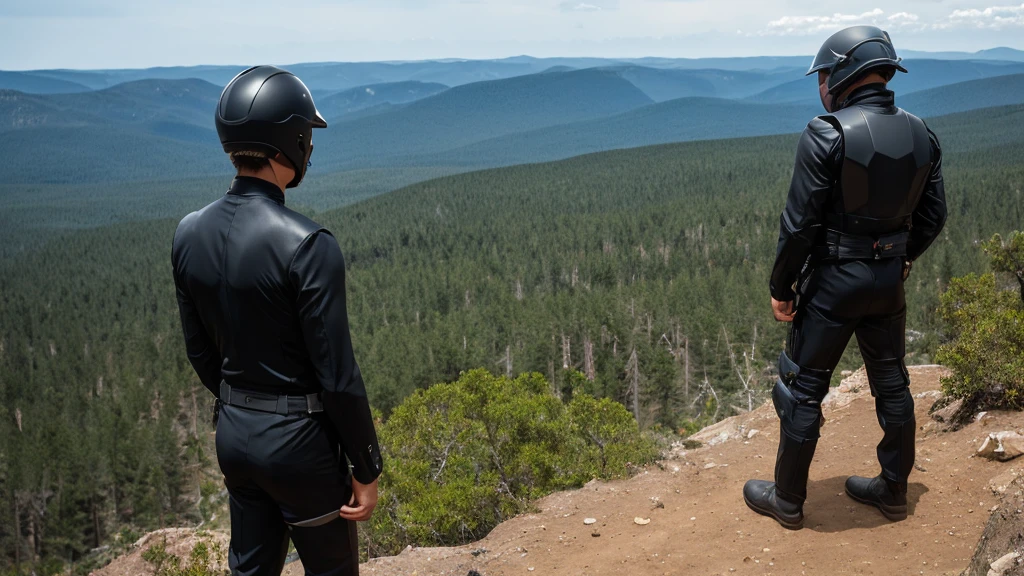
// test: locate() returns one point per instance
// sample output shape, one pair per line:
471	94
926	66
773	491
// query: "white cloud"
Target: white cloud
993	17
579	7
804	25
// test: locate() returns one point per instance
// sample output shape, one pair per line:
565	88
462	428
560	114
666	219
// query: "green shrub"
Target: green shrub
462	457
984	319
200	561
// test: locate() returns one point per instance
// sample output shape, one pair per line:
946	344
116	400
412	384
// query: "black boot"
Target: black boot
761	497
888	496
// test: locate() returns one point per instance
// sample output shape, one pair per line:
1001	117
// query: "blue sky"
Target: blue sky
142	33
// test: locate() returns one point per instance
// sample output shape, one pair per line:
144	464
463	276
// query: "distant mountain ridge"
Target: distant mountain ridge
922	75
325	77
161	129
365	97
476	112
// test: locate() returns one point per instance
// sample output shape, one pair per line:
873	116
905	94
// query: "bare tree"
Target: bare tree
748	374
707	390
633	378
588	359
507	361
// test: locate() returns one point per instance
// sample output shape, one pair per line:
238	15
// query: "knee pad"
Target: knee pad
890	385
797	397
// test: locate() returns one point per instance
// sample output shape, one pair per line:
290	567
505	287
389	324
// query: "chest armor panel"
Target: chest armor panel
887	162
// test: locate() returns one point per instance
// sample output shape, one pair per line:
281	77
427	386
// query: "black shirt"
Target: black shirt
261	292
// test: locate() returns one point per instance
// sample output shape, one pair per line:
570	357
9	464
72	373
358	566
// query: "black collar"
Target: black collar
874	95
250	186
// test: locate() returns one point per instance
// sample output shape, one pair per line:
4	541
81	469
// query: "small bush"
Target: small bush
200	561
462	457
984	317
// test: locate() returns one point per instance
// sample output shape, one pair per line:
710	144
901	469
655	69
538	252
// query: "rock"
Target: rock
1003	565
1002	446
710	465
589	521
641	521
1001	484
946	414
752	433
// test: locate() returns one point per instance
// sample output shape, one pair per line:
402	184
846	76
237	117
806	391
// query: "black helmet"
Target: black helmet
849	53
269	109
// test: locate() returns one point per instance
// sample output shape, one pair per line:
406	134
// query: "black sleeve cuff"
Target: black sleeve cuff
783	294
354	422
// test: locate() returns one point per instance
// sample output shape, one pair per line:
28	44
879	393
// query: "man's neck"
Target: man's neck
869	79
264	174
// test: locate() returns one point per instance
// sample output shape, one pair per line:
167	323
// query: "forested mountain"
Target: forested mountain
971	95
352	100
35	84
678	120
921	75
663	84
83	154
1001	53
324	77
327	77
475	112
160	129
142	103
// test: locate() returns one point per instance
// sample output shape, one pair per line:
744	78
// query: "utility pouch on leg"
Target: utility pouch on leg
785	403
796	403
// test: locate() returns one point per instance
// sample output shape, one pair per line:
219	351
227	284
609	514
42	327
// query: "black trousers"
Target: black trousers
280	470
862	298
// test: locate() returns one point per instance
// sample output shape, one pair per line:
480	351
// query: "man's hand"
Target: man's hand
783	311
364	500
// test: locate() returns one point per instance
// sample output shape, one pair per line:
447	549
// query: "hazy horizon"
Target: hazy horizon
118	34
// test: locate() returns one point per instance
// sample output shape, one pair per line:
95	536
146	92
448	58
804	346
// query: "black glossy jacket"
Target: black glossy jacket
819	160
261	291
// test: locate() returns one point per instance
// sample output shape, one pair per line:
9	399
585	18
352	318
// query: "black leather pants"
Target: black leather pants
866	299
280	470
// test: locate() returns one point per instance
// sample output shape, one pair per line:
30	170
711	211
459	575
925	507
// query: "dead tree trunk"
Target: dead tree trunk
686	369
17	534
746	376
508	361
588	359
95	522
633	378
566	352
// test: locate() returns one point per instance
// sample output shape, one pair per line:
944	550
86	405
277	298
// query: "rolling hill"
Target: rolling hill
680	120
151	105
538	117
375	95
1000	53
688	119
963	96
922	75
83	154
663	84
476	112
35	84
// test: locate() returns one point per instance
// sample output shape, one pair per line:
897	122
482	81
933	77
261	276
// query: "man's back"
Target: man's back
233	260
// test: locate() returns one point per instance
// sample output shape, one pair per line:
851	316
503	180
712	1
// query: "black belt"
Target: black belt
850	247
273	403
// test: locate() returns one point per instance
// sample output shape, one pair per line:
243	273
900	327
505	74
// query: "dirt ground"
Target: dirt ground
699	524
